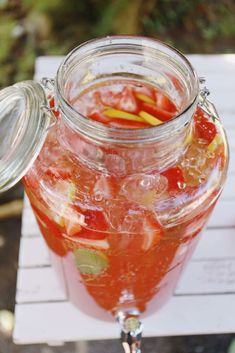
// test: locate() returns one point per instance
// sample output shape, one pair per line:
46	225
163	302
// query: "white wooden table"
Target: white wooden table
204	301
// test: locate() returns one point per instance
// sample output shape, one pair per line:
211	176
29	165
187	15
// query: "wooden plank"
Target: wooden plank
213	63
29	225
46	66
208	272
37	323
33	252
231	137
38	284
228	192
227	119
208	277
216	244
223	215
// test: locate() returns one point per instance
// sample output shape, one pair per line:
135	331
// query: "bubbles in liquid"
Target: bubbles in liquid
196	164
98	196
102	188
181	185
145	183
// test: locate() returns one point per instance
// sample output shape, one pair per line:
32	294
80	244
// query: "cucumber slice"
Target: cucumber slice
90	262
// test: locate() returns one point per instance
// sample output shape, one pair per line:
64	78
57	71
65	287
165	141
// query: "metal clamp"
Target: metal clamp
48	83
49	112
207	106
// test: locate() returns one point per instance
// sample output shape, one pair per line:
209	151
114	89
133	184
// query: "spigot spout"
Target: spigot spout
131	333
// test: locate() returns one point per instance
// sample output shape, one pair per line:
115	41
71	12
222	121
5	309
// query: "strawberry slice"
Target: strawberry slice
163	102
95	220
157	111
101	118
121	123
205	129
46	222
175	177
52	105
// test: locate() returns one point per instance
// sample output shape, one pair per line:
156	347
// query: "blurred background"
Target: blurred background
30	28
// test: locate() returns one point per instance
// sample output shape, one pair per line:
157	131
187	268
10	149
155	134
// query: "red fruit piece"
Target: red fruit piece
99	117
165	103
175	178
52	105
205	129
95	220
95	226
127	124
51	226
159	113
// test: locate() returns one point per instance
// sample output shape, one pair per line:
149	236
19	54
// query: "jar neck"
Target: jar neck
141	59
125	159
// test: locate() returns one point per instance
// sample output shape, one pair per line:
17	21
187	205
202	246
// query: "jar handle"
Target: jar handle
206	105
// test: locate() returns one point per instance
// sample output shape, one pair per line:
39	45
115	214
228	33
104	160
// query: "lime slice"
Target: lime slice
90	262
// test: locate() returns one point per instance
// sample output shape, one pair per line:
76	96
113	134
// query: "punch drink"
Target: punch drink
123	229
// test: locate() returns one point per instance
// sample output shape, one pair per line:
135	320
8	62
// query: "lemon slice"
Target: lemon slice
144	98
217	140
150	118
120	114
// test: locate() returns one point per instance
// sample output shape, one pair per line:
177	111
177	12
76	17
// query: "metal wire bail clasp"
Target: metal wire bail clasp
205	104
49	112
49	85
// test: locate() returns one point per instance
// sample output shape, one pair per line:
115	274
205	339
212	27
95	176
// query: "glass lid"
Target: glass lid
23	128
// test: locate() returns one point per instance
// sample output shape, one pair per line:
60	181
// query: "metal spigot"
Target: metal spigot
131	333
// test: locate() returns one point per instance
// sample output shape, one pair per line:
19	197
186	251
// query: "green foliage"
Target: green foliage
231	348
29	28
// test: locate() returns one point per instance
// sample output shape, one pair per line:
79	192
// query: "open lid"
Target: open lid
23	128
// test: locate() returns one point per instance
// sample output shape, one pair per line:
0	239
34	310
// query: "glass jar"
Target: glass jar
120	209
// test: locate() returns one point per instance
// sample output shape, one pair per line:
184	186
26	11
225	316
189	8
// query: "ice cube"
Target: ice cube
144	189
127	217
122	216
115	164
103	188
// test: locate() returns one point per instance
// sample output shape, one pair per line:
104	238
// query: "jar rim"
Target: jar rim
97	130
